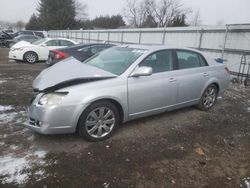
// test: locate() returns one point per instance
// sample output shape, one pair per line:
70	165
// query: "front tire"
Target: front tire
30	57
99	121
208	98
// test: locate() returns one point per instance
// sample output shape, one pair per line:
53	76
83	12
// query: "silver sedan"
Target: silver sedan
120	84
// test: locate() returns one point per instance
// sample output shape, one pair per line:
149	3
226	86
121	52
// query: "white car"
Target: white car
38	50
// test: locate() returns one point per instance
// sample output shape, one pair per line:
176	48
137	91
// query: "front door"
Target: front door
151	94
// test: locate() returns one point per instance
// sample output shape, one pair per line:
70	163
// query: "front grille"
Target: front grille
35	123
32	121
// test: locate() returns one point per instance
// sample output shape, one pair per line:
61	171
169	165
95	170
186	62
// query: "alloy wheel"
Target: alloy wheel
100	122
30	58
209	97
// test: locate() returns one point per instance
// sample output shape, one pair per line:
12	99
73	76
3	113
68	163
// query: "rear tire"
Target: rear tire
99	121
30	57
209	98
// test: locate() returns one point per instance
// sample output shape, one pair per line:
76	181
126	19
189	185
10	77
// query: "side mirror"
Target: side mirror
142	71
43	45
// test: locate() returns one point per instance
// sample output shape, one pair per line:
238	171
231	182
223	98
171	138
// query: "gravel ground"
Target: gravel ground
183	148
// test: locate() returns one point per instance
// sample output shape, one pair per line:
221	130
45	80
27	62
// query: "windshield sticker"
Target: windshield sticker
139	51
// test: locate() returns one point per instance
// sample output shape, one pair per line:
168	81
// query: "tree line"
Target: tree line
71	14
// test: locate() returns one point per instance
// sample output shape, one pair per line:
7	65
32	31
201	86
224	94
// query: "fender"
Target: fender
209	82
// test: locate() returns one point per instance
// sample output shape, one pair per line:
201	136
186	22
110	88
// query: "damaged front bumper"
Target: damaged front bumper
54	119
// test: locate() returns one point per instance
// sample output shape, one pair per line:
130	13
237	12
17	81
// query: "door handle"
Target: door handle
172	80
205	74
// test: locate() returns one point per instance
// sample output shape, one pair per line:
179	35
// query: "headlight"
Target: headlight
19	49
52	98
16	49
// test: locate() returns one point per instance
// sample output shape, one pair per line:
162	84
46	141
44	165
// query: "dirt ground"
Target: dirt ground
184	148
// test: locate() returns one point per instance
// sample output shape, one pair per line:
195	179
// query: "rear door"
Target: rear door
151	94
191	75
44	48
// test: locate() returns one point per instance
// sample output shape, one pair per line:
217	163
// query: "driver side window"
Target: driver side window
160	61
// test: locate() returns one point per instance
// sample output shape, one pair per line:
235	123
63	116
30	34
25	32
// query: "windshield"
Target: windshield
115	60
37	42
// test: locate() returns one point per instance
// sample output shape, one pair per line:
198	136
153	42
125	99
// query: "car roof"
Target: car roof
19	36
47	38
153	47
58	38
82	45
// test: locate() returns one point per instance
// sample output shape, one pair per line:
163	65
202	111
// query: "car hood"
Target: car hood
68	72
22	44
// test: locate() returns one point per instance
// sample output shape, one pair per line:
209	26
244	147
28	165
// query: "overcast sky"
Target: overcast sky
211	11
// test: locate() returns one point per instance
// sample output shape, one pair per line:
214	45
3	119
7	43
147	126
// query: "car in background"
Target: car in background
38	50
34	33
28	38
4	37
9	31
81	52
123	83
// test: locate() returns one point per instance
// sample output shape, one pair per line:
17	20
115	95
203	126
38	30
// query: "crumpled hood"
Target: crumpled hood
21	44
68	72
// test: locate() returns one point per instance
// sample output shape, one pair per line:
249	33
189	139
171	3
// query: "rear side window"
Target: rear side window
188	59
31	37
66	43
26	33
39	34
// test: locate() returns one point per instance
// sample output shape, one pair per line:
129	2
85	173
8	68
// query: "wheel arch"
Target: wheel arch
217	86
111	100
210	82
30	51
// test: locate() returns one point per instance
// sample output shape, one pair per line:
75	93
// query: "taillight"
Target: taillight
227	70
60	55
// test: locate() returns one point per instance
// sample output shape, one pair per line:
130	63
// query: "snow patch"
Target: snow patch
246	182
5	108
13	147
16	169
40	154
2	81
220	98
14	117
8	117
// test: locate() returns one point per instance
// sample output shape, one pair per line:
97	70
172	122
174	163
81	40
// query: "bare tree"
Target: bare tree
167	10
196	20
20	25
134	13
159	12
81	10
